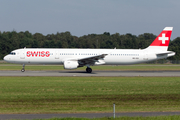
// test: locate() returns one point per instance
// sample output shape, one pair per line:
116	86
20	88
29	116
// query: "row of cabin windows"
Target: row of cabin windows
13	53
125	54
78	54
98	54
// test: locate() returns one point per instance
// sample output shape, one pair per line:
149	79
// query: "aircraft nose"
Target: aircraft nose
6	58
9	58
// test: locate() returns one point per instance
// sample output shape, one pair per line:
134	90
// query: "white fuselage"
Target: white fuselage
58	56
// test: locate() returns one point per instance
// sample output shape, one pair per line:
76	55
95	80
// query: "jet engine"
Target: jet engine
70	65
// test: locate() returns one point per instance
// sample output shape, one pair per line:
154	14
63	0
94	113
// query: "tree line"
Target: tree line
14	40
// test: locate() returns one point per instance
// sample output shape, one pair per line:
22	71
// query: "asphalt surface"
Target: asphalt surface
94	73
83	115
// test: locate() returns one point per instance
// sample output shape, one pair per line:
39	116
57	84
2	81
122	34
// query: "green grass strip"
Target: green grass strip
88	94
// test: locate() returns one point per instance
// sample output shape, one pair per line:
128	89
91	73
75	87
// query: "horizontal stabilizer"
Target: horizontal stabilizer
168	53
164	53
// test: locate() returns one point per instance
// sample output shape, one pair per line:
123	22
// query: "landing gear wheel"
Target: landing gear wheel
88	70
22	70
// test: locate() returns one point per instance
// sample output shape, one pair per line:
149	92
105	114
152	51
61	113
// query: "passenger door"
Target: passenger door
22	54
57	55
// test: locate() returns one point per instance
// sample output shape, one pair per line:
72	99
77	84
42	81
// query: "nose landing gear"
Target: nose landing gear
23	69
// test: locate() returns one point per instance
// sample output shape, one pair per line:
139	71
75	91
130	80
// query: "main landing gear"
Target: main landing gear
88	70
23	69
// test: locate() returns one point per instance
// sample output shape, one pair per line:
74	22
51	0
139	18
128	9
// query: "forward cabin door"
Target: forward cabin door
22	54
57	55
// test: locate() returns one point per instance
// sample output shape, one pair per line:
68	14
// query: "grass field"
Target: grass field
88	94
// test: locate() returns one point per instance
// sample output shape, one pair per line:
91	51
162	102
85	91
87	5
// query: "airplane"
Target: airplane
75	58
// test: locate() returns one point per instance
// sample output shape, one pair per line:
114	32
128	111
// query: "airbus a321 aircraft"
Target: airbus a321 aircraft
74	58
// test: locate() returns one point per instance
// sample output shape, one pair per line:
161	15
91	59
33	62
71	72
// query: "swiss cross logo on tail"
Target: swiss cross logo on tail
163	38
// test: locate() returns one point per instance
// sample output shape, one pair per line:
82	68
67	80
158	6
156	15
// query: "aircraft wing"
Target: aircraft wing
91	60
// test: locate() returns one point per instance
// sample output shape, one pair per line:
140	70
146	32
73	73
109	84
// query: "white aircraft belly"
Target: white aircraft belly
122	60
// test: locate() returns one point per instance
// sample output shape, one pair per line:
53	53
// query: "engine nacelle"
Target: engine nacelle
70	65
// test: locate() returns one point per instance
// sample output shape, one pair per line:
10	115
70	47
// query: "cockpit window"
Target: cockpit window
12	53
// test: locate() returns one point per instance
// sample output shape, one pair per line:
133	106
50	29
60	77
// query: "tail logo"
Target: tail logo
163	38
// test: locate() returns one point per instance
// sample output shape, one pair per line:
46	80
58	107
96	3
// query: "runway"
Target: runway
83	115
94	73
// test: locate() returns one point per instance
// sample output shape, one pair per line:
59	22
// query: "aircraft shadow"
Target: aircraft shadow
84	72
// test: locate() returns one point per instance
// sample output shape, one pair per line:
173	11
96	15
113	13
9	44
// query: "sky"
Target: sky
83	17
